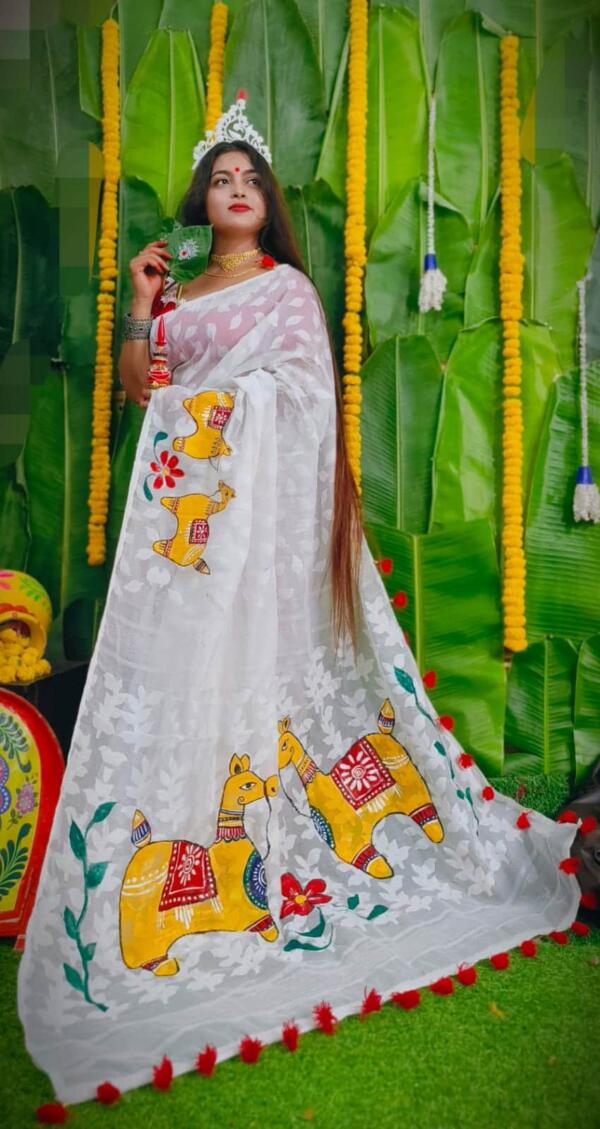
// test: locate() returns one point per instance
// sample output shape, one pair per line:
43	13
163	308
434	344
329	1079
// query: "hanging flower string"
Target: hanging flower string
355	251
511	287
586	502
107	260
433	282
214	85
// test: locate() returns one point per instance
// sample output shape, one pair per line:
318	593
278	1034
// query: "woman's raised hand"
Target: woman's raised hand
147	270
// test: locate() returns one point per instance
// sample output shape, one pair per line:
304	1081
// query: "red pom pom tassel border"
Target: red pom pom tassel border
162	1075
466	975
523	822
570	865
406	1000
559	937
207	1060
465	760
487	793
588	825
107	1094
324	1018
588	900
52	1113
567	817
580	929
250	1049
371	1002
290	1035
500	961
528	948
442	987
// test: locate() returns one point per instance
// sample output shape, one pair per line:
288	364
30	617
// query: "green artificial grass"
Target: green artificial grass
514	1051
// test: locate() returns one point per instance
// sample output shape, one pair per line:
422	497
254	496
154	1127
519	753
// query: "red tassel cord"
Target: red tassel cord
406	1000
528	948
324	1018
559	937
162	1075
371	1002
523	822
466	976
250	1049
569	866
290	1035
206	1061
500	961
52	1113
442	987
107	1094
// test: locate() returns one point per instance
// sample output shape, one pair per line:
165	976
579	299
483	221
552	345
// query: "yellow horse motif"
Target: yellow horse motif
173	888
210	412
373	779
192	512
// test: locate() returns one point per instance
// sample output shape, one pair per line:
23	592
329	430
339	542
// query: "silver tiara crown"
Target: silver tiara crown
233	125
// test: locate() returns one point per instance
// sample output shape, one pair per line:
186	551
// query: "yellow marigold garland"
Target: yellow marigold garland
354	231
214	85
107	260
511	288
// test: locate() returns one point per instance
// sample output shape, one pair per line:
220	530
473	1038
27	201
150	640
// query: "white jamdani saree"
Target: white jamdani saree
249	823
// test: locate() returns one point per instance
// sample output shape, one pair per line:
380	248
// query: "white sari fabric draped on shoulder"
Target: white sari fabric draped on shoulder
251	823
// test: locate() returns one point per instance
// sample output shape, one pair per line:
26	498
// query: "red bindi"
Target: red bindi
236	170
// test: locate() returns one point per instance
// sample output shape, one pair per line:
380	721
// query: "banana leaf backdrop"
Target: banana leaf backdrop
431	413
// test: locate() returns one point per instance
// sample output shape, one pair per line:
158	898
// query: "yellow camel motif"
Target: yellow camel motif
174	888
373	779
210	412
192	512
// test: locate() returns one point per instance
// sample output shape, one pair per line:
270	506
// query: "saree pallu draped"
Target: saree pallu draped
250	821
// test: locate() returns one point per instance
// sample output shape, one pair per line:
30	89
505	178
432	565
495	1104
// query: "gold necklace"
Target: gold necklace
234	259
238	274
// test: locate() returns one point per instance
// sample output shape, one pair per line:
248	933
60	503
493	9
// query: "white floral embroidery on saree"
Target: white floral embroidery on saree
250	823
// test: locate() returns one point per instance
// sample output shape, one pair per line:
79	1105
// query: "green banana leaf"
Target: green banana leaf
566	107
331	166
328	27
128	429
141	222
44	124
394	267
56	459
17	372
89	53
271	55
562	554
539	708
541	20
79	628
587	708
453	622
557	238
557	243
467	97
401	387
592	302
14	532
397	108
28	269
163	116
467	465
433	20
318	219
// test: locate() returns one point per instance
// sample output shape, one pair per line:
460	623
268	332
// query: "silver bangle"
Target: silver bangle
136	329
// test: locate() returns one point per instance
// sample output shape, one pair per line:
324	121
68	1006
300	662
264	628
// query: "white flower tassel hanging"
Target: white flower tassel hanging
586	503
433	282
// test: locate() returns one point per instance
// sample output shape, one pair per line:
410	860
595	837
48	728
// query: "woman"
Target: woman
260	810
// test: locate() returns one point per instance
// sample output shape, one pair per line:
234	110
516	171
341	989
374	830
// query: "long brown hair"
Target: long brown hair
277	238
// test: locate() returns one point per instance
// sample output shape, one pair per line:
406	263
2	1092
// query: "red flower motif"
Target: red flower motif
301	901
167	470
267	262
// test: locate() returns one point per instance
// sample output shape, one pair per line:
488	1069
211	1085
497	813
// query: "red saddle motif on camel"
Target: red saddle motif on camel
198	534
360	775
218	416
189	878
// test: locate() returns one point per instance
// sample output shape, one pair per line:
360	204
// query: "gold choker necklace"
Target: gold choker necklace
228	263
